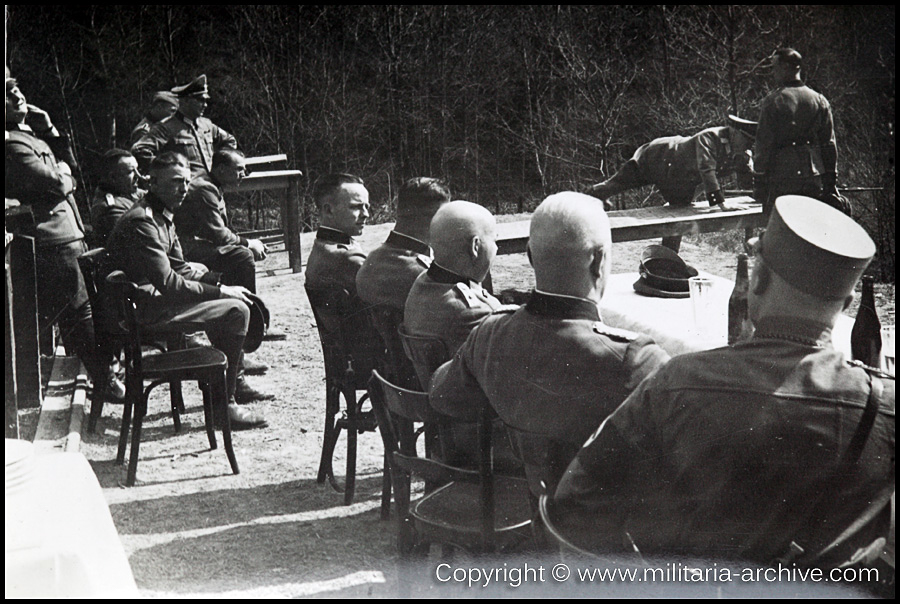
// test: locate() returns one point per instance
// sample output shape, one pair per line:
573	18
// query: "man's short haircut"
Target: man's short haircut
226	156
418	192
111	159
168	159
328	184
788	56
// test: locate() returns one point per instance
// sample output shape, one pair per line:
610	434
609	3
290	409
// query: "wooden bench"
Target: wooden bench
651	223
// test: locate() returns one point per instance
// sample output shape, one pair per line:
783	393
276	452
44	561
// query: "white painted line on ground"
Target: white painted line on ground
287	590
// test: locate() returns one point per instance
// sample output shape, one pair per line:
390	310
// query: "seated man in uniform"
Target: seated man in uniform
447	301
117	192
387	275
335	258
773	449
551	370
203	228
678	165
178	298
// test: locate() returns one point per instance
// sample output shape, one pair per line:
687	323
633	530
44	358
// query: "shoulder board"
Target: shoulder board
873	370
148	212
614	333
110	199
467	294
424	260
506	309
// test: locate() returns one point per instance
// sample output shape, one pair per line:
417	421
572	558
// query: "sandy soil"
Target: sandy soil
192	529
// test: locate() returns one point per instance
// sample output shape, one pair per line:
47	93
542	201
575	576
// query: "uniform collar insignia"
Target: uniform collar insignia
563	307
442	275
153	202
405	242
333	235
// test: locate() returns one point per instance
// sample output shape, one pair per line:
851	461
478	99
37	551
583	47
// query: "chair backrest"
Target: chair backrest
94	266
350	345
397	365
427	353
390	402
545	459
123	296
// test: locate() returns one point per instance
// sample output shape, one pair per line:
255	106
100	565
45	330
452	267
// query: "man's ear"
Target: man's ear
475	246
597	263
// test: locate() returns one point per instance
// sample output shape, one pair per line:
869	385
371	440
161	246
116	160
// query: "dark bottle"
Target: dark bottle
739	326
865	338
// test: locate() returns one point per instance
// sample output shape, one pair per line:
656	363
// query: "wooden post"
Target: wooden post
291	222
12	402
25	321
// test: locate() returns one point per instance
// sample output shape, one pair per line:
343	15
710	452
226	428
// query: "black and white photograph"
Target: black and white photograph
450	301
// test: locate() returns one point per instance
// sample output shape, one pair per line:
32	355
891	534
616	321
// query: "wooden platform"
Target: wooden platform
651	223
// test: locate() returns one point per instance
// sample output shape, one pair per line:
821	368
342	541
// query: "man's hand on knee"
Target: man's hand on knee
238	292
258	248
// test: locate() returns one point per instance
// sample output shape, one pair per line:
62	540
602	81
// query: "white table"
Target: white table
60	537
670	321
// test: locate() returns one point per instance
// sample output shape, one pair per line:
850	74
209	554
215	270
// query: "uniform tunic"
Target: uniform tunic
107	208
334	260
795	143
720	453
196	139
389	272
677	165
551	368
206	237
447	306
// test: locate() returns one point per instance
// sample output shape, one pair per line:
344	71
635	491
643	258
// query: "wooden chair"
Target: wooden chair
397	367
426	353
111	338
206	365
350	348
545	459
476	510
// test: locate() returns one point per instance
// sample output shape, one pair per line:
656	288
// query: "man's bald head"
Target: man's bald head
570	245
463	236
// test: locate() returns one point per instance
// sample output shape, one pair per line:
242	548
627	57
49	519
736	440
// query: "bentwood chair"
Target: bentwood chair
350	348
206	365
477	510
110	336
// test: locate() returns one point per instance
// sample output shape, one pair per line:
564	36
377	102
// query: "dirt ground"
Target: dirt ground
192	529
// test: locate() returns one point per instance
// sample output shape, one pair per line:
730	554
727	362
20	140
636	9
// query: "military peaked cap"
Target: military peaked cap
817	249
164	96
196	87
746	126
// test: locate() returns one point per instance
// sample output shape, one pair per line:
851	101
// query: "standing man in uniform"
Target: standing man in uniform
38	178
678	165
163	106
117	192
180	299
186	132
552	370
767	450
796	150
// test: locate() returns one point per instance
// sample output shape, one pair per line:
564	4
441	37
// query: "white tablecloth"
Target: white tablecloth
60	537
670	321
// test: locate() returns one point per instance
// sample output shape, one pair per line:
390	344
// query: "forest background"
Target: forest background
507	103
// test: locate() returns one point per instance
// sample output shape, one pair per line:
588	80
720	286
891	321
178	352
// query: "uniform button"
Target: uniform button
799	172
